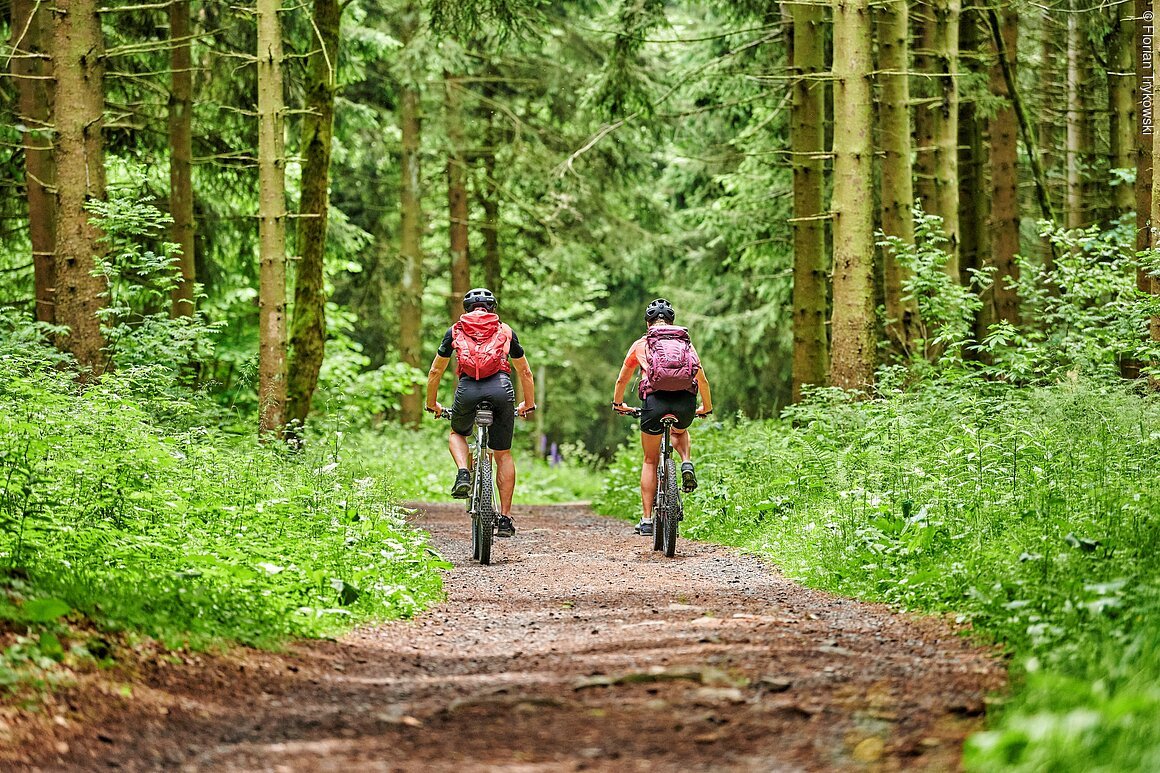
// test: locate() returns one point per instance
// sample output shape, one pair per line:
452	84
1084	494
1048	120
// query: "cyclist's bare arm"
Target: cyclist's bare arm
706	395
434	376
631	363
527	385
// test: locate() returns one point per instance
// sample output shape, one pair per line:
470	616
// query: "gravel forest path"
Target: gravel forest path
578	649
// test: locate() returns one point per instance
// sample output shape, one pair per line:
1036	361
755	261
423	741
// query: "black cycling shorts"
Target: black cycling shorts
655	406
499	391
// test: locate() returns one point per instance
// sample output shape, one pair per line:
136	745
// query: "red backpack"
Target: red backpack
671	365
481	344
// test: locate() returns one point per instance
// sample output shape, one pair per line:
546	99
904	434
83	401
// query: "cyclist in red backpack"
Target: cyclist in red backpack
671	378
485	351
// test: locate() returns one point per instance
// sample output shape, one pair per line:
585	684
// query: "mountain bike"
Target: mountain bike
481	501
668	511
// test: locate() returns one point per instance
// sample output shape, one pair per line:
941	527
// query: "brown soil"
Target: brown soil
578	649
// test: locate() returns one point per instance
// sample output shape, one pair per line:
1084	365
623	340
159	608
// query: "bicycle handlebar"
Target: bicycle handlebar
635	412
446	413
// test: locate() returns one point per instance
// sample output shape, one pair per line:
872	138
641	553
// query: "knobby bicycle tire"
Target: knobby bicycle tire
474	537
486	510
672	509
658	513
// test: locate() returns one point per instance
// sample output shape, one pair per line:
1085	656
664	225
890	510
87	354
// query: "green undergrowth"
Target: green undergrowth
1031	513
123	506
420	467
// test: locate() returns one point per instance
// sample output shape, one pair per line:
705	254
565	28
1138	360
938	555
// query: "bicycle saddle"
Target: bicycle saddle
483	414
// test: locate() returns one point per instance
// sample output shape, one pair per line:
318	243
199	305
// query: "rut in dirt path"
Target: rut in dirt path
579	649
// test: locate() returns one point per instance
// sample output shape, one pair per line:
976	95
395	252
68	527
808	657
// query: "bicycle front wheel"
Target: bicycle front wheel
474	537
486	511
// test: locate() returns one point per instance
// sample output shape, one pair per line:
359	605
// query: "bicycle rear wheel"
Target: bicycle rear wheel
658	513
486	514
672	509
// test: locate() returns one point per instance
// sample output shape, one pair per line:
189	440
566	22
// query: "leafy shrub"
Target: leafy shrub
1083	313
946	308
182	531
139	270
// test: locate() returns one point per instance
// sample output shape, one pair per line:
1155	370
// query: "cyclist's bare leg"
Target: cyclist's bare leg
459	451
681	444
648	472
505	479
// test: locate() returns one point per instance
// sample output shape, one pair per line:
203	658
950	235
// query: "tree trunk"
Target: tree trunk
489	193
31	70
1073	209
945	130
897	174
181	155
78	64
1034	154
308	330
458	215
271	223
853	356
1143	129
1154	280
411	290
1050	118
973	207
1143	146
923	90
807	137
1005	184
1121	106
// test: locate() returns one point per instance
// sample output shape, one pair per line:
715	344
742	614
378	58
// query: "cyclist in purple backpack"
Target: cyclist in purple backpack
671	379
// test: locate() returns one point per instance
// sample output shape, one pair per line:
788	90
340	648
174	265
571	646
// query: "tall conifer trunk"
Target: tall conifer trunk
1074	207
181	154
271	223
32	68
489	191
78	64
853	353
1153	280
945	119
411	231
1145	70
807	137
456	198
1005	184
308	331
1142	156
1121	105
974	208
897	188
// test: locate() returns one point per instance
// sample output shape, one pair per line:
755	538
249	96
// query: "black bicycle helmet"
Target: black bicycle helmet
480	296
660	308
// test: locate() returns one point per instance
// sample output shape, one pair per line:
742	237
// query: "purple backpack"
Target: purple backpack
671	364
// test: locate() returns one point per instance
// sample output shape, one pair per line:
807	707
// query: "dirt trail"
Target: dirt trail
579	649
